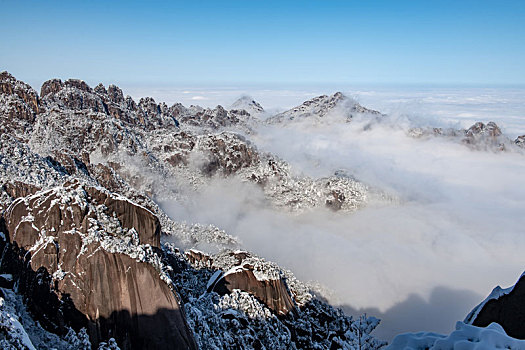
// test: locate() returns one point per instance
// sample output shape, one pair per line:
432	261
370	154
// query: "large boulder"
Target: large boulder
90	260
271	292
254	276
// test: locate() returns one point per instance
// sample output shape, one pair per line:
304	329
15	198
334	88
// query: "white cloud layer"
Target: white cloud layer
462	105
422	262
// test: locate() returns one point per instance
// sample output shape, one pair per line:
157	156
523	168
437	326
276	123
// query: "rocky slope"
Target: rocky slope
87	254
70	236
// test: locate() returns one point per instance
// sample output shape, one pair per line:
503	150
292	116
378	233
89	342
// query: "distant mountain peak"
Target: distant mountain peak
321	106
248	104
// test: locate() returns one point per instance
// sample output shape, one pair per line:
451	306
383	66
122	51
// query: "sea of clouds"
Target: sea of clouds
455	230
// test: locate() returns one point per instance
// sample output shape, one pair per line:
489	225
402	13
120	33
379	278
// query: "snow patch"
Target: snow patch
465	337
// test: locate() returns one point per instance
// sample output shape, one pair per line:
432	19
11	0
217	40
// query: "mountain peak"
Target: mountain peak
322	106
248	104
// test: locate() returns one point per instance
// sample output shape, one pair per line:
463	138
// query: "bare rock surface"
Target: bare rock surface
19	105
251	275
95	251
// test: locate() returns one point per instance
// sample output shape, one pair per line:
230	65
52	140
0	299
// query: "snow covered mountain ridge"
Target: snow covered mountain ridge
80	170
85	244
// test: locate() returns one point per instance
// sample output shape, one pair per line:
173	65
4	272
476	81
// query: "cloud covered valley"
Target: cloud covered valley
442	226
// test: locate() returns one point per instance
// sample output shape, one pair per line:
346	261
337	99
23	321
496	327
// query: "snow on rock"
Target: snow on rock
323	106
197	235
247	104
19	163
298	193
19	105
254	276
101	251
90	133
479	136
80	168
204	120
240	320
14	334
19	331
465	337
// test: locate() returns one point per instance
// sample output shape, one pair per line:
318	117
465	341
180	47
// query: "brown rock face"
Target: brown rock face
78	84
51	87
130	216
16	189
10	86
73	236
199	258
272	292
507	310
20	105
73	94
129	302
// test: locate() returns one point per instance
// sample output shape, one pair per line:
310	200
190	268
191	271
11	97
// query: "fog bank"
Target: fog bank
456	228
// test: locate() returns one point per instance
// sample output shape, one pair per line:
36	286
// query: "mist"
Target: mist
422	261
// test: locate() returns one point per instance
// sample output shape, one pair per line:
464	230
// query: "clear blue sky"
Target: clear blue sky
266	42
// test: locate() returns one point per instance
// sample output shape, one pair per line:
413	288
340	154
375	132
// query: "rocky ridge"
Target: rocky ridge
86	246
479	136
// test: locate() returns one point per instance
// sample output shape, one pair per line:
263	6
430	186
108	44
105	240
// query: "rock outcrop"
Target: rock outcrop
92	262
272	292
505	307
520	141
488	135
19	105
240	270
479	136
207	119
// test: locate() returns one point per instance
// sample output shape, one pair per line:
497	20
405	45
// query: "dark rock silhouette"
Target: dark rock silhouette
520	141
508	310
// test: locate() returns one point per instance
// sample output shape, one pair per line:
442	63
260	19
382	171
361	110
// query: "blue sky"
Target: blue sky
265	42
